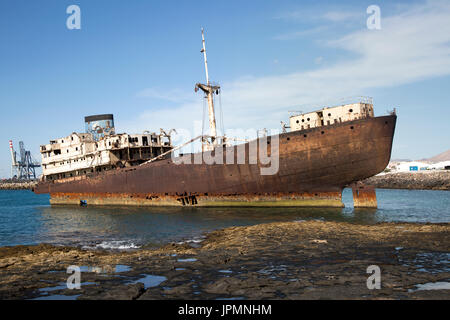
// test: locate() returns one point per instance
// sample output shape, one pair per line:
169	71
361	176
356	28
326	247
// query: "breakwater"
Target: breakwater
17	185
435	180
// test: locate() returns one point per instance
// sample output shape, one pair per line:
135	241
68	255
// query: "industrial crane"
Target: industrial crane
25	168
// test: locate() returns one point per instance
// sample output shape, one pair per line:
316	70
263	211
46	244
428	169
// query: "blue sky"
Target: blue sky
141	59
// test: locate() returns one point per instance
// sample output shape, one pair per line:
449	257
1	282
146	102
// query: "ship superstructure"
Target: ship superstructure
99	149
360	109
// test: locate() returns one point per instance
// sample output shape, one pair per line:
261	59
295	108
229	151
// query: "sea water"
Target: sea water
27	218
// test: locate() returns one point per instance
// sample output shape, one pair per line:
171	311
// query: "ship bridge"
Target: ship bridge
100	149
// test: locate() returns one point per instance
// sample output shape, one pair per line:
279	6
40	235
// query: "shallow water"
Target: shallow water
26	218
118	268
150	280
432	286
187	260
431	262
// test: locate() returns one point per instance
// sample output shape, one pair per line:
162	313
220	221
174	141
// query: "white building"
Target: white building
410	166
440	165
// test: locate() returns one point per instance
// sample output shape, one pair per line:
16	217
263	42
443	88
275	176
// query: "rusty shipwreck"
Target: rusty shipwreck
317	155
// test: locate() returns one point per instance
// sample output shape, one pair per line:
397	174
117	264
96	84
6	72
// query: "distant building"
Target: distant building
443	165
410	166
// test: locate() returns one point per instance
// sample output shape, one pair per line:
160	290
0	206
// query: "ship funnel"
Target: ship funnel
99	125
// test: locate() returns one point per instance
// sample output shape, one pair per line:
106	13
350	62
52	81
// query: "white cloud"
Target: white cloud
319	14
411	46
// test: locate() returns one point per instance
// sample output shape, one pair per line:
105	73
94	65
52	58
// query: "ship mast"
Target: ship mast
204	55
209	91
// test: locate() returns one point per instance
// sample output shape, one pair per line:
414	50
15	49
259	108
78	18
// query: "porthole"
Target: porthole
308	119
322	132
351	128
303	120
297	121
329	114
351	110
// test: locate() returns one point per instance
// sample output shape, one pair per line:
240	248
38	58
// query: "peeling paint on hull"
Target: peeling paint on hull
318	162
331	199
364	197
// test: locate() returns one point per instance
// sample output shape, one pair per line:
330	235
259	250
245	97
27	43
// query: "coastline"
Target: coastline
434	180
23	185
288	260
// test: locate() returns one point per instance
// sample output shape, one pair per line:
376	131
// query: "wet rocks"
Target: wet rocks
120	292
439	180
290	260
22	185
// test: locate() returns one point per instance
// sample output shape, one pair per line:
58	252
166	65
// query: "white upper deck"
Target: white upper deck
331	115
80	152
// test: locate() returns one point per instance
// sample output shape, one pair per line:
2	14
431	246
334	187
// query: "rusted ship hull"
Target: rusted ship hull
314	166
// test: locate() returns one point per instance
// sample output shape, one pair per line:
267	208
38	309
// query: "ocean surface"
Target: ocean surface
27	218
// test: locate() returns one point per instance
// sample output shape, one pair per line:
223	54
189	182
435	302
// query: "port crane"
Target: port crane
25	167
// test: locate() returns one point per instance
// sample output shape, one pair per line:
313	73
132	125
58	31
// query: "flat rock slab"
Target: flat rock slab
290	260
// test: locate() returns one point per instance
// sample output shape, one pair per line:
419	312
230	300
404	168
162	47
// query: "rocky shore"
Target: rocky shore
439	180
23	185
291	260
